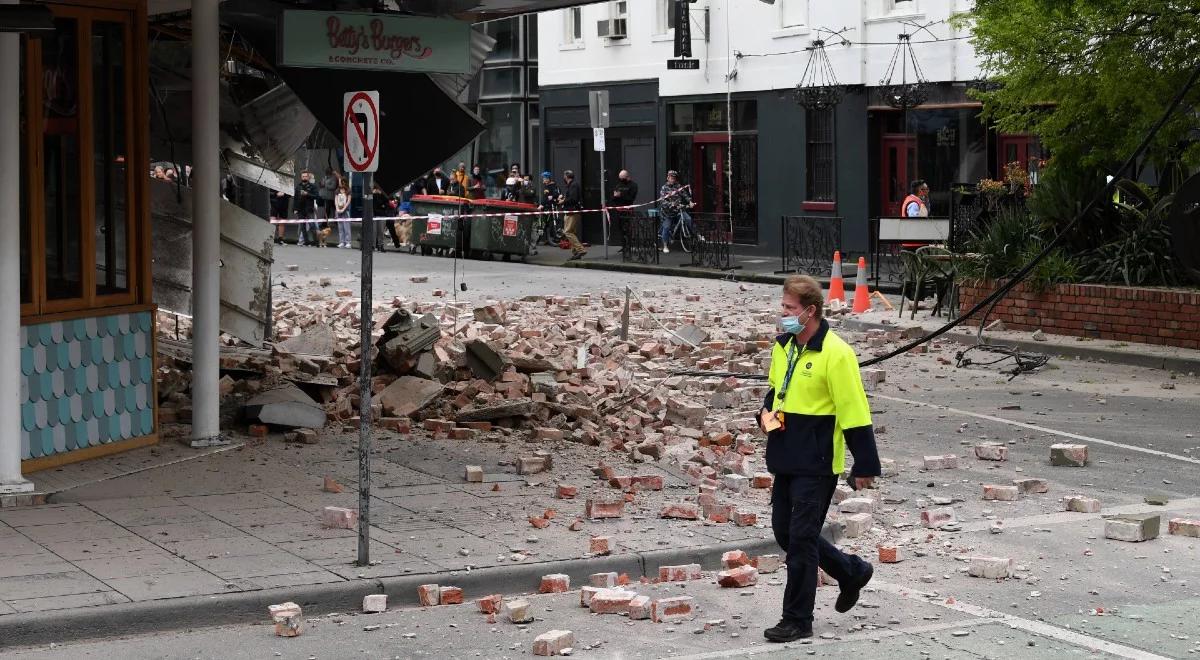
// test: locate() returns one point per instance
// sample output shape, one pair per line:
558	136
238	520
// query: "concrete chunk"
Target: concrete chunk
1080	504
553	642
1068	455
288	619
943	462
857	524
374	603
409	395
1001	493
287	406
991	451
993	568
1184	527
1133	527
1032	485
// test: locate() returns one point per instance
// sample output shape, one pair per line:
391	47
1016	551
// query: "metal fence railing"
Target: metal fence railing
808	242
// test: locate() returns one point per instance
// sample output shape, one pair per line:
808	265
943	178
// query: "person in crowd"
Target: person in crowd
916	204
813	412
279	211
381	207
477	188
571	201
461	180
527	193
623	194
550	209
438	184
674	201
328	192
306	204
341	203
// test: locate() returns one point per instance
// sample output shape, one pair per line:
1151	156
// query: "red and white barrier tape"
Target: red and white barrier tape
499	214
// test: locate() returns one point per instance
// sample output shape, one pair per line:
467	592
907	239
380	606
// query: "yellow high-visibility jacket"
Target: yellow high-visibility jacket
825	408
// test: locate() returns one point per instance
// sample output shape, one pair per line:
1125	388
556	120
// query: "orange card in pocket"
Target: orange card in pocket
771	421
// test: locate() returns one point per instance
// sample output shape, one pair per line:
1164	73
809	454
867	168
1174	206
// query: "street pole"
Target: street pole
625	318
603	205
364	377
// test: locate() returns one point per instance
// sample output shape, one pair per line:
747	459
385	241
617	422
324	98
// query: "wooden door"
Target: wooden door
897	170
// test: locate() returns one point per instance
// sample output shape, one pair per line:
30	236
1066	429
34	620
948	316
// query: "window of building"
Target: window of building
507	33
793	13
819	155
664	22
531	83
503	81
573	26
78	208
500	144
531	37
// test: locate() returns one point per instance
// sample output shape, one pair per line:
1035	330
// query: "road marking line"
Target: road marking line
1035	627
878	634
1042	429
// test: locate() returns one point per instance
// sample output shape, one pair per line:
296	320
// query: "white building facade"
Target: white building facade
855	160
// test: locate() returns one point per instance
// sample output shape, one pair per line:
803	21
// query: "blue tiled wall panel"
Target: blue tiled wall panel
86	382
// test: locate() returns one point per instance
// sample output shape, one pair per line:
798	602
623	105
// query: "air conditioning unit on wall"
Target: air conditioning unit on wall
612	28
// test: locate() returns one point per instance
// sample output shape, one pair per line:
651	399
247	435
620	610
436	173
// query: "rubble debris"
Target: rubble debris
688	334
315	340
761	480
857	524
518	610
474	474
1068	455
331	485
1133	527
450	595
611	601
555	583
287	618
599	545
735	558
429	595
834	530
553	642
489	604
338	517
675	608
890	554
483	360
405	338
1183	527
857	505
767	564
639	608
600	509
680	573
993	568
991	451
514	408
742	576
935	518
873	378
408	395
944	462
1027	486
374	603
680	511
287	406
1001	493
1080	504
531	464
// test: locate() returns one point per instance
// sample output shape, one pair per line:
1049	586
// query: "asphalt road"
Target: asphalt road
1076	594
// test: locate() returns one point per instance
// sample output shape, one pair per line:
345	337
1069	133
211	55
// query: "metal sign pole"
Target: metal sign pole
603	205
367	241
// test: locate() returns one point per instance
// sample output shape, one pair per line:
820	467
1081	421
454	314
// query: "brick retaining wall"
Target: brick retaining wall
1169	317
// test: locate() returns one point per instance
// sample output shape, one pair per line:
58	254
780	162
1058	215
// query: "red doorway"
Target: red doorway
709	158
898	167
1012	149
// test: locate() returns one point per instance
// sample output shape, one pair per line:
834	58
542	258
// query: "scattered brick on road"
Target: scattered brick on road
942	462
429	595
1184	527
490	604
611	601
742	576
555	583
603	580
374	603
288	619
553	642
1028	486
639	608
474	474
1068	455
935	518
680	573
517	610
1133	527
1080	504
338	517
600	509
994	568
599	545
676	608
735	558
991	451
768	563
680	511
890	554
1001	493
857	524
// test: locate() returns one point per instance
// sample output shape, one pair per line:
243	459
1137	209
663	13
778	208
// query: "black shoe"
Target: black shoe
577	256
788	631
849	592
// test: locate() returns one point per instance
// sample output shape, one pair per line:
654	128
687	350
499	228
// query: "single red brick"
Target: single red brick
555	583
742	576
540	523
598	545
451	595
259	430
682	511
489	604
735	558
565	492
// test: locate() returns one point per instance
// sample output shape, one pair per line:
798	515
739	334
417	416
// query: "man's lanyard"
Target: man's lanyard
793	360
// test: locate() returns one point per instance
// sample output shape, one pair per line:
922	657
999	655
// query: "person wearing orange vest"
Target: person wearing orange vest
916	204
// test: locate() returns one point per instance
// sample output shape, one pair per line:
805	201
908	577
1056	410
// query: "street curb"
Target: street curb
700	273
1134	359
250	607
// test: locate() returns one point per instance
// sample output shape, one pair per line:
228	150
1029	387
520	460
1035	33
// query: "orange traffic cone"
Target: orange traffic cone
837	288
862	298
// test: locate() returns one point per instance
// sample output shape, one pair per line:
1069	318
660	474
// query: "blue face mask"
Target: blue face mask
792	324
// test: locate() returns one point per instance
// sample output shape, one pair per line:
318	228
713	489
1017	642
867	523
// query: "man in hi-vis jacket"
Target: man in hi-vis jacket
816	408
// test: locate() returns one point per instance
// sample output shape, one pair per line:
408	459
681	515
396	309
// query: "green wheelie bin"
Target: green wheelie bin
437	227
509	232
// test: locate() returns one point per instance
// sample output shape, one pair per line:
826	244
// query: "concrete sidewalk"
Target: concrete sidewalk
245	522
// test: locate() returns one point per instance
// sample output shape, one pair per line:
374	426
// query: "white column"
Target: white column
11	480
206	223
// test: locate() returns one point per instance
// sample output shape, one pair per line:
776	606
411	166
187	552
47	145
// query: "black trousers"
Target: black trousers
798	506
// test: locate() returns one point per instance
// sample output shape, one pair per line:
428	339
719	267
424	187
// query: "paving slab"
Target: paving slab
173	585
69	602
